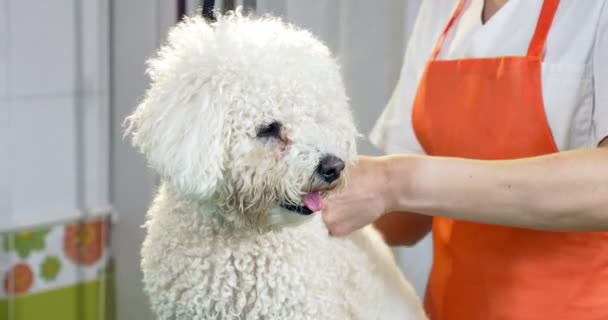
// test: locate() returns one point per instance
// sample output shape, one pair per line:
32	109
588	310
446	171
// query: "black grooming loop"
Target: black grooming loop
208	7
207	11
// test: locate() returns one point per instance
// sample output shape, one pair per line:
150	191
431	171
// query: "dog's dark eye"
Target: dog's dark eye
272	130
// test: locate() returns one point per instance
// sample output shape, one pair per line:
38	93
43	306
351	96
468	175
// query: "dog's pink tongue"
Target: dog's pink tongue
313	201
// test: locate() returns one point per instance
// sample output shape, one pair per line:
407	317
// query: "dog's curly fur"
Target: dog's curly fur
219	244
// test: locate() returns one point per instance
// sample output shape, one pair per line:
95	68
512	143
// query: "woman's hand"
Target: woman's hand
566	191
365	198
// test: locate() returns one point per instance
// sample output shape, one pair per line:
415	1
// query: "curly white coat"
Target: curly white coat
218	244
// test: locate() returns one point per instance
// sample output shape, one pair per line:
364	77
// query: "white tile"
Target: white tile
5	214
3	48
42	47
42	160
96	125
95	45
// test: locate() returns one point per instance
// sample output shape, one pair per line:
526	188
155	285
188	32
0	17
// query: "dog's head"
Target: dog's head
249	115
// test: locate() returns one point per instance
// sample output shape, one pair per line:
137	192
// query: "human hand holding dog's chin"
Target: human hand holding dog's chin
365	198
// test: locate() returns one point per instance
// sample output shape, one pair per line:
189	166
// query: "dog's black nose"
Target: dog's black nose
330	168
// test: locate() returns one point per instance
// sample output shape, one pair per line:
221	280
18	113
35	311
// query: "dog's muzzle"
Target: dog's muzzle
328	171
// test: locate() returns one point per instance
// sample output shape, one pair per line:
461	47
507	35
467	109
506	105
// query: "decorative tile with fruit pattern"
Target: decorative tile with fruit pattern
53	257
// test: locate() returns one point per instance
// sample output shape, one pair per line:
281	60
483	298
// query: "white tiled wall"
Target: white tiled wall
41	47
95	101
42	159
96	121
53	80
95	63
3	51
4	194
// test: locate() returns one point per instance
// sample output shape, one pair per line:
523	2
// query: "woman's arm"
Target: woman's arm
567	191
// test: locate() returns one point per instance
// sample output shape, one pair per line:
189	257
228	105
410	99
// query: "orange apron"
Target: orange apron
492	108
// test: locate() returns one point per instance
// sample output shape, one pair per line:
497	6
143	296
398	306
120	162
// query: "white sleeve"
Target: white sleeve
393	131
600	78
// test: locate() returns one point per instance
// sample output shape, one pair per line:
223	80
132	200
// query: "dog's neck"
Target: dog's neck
208	214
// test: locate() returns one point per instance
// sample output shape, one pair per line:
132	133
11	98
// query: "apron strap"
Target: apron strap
537	44
545	19
455	15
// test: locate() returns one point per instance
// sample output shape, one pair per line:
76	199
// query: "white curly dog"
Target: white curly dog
248	125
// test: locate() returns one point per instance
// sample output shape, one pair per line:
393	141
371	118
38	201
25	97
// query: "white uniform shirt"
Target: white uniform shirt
574	69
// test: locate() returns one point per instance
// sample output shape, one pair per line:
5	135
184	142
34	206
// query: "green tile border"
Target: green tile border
79	302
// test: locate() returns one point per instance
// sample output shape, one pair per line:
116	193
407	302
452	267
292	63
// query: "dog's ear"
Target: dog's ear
179	124
181	138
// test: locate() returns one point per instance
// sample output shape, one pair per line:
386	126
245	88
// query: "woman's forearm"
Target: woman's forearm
562	192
